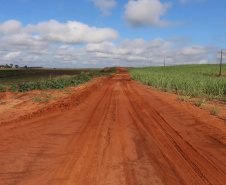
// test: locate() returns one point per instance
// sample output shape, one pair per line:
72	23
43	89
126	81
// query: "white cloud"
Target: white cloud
128	52
22	58
21	39
139	53
194	50
39	43
105	5
10	27
24	42
72	32
50	44
102	47
146	12
31	58
156	43
67	54
12	55
131	46
203	61
180	41
69	62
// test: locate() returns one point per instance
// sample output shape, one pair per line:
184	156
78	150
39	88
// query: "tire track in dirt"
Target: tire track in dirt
187	154
116	136
81	144
129	175
163	168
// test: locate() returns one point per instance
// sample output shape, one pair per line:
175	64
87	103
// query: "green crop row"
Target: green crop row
192	80
57	83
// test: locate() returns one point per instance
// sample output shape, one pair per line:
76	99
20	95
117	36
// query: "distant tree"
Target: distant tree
16	66
11	65
7	66
25	66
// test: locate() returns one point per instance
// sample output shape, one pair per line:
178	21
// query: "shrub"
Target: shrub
2	89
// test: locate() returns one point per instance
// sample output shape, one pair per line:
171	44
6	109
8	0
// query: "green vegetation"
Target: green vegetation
199	102
8	66
48	96
21	84
37	99
215	111
188	80
2	89
184	98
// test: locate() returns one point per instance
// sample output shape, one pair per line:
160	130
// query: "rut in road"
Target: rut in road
117	136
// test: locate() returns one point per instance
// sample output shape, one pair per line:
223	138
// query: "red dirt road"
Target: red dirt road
121	134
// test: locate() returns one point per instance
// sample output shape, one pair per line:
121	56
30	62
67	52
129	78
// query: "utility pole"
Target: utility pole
221	60
164	61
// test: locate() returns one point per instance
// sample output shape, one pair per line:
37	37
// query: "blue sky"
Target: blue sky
99	33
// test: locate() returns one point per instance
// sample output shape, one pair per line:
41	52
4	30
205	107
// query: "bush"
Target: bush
2	89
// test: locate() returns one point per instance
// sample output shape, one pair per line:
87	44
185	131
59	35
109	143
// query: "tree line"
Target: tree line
11	66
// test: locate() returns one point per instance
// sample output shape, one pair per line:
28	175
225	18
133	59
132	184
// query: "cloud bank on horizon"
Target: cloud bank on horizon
111	33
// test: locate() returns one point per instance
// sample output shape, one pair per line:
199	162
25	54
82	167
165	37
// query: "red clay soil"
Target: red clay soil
120	133
17	106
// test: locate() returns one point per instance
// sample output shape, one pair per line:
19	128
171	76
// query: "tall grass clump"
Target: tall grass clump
192	80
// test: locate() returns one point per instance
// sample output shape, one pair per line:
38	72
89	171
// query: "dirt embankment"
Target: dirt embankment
121	133
18	106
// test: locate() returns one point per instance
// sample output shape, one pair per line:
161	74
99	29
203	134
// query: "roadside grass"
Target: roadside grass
17	98
199	102
215	110
36	99
184	98
47	96
68	92
206	105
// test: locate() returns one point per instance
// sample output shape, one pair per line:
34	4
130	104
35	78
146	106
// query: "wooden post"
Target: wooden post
164	61
221	62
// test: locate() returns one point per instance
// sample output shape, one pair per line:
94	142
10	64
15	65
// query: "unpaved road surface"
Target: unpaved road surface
121	134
